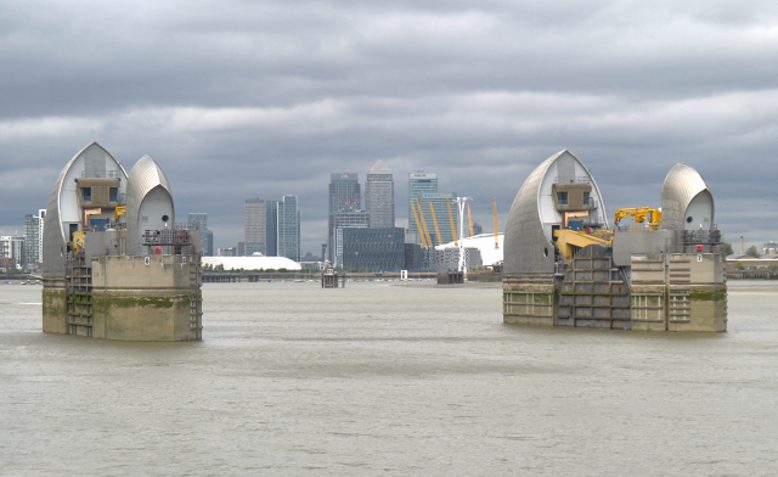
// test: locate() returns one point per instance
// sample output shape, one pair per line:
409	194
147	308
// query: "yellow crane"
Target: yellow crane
79	241
435	224
470	220
453	226
419	227
496	223
424	229
120	211
641	215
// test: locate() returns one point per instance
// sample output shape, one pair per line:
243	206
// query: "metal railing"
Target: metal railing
113	174
576	180
178	237
712	236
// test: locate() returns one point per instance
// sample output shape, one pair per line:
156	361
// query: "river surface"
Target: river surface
381	379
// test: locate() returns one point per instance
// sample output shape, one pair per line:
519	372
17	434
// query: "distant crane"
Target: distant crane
435	224
470	221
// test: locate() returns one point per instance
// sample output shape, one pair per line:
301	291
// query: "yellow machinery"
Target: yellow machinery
435	224
470	220
79	241
453	226
120	211
568	241
496	223
641	215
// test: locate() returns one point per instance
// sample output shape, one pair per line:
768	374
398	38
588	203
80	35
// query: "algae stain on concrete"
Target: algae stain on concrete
105	303
712	295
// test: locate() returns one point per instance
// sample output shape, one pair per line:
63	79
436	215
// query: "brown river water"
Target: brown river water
382	379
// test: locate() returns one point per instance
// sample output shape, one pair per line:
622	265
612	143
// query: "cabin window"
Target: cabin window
113	194
86	194
562	197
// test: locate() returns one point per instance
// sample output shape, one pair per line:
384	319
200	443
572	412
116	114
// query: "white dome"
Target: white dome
252	263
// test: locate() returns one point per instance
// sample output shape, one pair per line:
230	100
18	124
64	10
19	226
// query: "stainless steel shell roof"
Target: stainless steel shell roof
54	234
528	245
145	176
682	184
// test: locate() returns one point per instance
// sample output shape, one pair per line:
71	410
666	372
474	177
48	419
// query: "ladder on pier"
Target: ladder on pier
79	297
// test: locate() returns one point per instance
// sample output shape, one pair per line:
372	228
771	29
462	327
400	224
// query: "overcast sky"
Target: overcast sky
239	99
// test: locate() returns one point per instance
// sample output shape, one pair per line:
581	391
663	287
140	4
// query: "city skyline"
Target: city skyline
270	98
223	240
271	228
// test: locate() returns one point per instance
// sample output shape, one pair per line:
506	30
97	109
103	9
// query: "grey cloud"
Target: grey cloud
265	98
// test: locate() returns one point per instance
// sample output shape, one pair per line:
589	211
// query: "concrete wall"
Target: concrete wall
697	308
528	301
54	305
648	307
704	268
143	273
146	298
141	316
627	243
679	292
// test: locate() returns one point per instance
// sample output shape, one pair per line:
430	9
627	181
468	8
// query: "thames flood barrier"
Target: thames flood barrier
115	264
655	269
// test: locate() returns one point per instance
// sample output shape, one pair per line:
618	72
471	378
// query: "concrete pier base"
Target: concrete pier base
668	292
130	315
129	298
528	300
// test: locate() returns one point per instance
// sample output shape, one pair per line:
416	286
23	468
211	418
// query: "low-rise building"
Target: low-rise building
373	249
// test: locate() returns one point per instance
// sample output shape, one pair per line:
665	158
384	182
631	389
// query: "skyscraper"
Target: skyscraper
419	183
379	196
344	194
209	251
255	226
33	237
271	229
289	228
